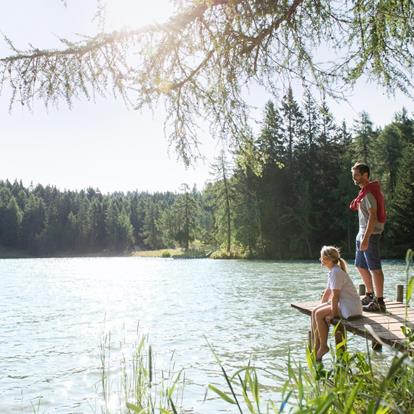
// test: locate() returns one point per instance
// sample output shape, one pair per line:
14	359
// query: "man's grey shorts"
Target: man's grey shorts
370	258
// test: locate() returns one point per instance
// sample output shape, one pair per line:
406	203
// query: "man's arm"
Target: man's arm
372	220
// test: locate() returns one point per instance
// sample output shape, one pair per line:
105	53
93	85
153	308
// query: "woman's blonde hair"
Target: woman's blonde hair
334	254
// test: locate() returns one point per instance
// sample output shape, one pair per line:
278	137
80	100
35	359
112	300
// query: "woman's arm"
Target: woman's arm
334	302
326	295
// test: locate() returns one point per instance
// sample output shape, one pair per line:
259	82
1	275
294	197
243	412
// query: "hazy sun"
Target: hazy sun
135	13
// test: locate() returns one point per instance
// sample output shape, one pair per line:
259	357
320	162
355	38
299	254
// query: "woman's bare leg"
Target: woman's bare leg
315	336
322	329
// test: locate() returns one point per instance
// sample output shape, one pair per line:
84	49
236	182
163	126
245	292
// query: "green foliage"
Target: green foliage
223	195
151	231
10	218
402	208
198	62
282	194
364	136
143	389
353	385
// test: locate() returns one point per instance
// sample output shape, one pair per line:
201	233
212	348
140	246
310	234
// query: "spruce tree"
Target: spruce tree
363	137
270	142
224	195
187	211
388	150
406	125
33	222
401	216
151	233
292	123
10	219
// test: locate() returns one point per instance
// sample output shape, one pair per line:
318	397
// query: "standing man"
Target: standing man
371	215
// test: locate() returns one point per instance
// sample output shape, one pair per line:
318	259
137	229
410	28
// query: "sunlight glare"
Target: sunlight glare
137	13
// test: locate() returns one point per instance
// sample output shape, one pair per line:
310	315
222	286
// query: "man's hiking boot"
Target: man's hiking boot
367	299
375	306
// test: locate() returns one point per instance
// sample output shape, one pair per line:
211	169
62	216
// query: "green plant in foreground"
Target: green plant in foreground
143	389
352	384
409	282
249	384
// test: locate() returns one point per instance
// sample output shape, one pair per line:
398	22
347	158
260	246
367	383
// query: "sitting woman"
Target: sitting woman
340	299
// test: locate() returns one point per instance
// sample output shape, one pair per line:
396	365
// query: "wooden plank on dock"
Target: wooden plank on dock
387	326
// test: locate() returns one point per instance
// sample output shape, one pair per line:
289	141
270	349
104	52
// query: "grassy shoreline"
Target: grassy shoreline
9	253
177	253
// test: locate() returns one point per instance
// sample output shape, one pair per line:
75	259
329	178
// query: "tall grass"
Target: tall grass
352	384
142	388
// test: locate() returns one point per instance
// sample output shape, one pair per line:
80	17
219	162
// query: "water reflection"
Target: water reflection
55	312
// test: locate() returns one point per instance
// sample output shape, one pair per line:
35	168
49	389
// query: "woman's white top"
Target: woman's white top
349	301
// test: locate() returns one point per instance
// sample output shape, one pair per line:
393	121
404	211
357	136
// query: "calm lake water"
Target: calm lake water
54	314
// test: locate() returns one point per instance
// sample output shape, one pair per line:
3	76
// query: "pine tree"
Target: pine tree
10	219
33	222
292	123
311	127
169	226
207	217
270	142
345	137
402	210
96	217
186	213
328	133
388	152
364	135
224	200
406	125
151	233
246	211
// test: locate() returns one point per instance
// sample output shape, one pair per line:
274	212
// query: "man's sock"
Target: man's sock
370	294
380	300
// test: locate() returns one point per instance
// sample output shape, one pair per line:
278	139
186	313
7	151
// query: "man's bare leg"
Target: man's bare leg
378	277
367	279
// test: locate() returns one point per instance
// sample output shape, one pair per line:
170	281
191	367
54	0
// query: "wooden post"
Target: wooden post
310	340
340	336
361	290
400	293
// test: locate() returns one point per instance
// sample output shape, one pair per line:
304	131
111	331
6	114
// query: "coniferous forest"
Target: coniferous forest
282	194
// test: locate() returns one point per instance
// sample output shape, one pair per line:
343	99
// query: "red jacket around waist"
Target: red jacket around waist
374	188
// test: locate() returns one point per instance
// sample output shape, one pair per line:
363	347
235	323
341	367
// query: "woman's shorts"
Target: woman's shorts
370	258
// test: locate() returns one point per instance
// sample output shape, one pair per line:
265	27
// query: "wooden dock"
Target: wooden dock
387	326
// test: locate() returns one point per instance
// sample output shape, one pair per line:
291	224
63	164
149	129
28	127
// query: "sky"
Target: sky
103	144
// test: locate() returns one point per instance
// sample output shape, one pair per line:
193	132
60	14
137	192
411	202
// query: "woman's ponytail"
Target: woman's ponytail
343	265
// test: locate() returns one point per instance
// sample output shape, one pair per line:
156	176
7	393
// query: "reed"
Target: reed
352	384
142	389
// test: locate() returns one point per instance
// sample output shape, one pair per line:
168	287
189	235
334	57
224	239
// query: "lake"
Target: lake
55	313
